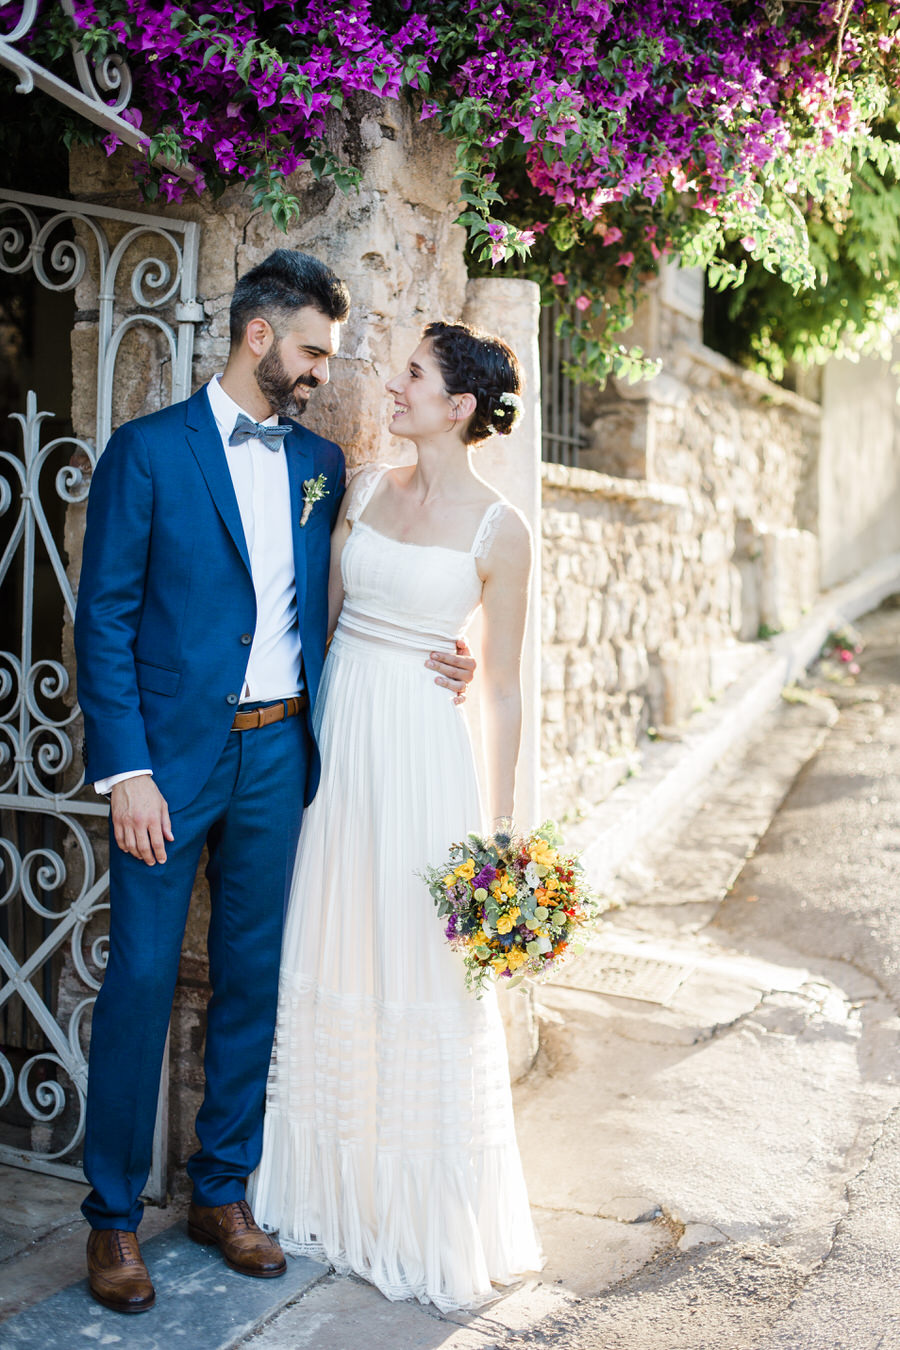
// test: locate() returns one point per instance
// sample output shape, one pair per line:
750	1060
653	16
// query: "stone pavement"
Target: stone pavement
712	1149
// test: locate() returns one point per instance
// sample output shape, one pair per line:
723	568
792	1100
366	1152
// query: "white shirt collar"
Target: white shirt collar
226	411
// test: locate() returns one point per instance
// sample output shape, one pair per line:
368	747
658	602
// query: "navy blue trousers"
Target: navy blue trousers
248	815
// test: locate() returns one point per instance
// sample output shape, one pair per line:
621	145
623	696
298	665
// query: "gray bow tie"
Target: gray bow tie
245	429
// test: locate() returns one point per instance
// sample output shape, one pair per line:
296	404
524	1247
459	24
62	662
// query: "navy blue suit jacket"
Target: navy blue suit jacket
166	600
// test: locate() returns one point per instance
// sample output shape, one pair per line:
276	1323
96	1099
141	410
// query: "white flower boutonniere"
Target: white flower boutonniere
314	490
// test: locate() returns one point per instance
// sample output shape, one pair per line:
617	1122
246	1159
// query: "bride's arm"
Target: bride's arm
339	536
506	574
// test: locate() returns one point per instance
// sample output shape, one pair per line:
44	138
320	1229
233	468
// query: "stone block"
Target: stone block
789	574
571	604
712	547
683	681
606	670
593	620
548	611
617	609
579	672
553	672
553	708
633	667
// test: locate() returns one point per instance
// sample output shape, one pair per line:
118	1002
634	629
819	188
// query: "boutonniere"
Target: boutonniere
314	490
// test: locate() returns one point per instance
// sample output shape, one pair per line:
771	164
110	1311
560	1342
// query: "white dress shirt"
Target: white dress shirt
262	488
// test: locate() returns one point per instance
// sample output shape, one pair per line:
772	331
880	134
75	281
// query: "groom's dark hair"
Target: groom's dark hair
286	281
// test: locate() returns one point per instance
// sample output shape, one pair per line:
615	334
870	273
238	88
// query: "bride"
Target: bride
389	1143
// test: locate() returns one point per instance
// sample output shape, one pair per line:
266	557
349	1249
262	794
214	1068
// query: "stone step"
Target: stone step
201	1304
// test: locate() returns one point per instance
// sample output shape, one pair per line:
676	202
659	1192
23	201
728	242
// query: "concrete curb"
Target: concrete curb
643	806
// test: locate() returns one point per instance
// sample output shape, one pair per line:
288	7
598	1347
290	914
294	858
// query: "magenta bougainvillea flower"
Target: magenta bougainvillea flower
655	125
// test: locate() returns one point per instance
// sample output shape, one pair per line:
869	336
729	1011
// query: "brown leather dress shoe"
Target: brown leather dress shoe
117	1275
241	1241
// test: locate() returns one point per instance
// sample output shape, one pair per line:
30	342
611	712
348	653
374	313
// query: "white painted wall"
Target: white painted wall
859	468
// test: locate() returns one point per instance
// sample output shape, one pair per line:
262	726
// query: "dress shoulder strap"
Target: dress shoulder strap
488	527
365	482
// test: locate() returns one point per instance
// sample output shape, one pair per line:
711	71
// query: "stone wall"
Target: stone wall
393	241
688	532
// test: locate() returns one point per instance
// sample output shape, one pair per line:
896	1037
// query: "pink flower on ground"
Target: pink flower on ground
844	654
558	278
582	303
853	668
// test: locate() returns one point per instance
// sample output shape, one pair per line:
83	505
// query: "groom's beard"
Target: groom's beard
278	388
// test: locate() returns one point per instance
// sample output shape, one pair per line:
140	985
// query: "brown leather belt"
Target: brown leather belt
273	712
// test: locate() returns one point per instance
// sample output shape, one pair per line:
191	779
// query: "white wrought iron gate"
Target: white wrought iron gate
141	272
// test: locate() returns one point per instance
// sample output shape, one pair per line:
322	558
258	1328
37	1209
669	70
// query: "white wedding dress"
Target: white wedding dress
390	1146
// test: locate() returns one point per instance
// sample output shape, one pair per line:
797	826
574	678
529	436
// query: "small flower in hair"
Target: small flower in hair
510	408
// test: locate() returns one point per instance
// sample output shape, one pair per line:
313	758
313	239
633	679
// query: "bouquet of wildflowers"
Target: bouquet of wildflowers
514	906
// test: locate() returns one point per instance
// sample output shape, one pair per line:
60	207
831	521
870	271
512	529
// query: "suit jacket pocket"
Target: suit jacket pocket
157	679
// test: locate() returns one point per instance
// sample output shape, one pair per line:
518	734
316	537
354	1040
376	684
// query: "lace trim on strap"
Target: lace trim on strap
369	478
488	528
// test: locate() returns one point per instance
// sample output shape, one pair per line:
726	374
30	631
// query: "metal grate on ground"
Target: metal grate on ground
624	975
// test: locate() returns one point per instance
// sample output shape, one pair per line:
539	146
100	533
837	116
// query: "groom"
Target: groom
200	634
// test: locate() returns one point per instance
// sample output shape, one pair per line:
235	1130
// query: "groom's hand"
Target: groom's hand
140	819
456	672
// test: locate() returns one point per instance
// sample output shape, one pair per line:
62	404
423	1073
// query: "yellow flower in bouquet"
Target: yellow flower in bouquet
541	853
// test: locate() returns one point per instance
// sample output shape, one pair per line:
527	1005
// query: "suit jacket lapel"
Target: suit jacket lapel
300	467
206	443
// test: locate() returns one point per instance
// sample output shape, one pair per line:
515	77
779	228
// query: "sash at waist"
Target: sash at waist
357	623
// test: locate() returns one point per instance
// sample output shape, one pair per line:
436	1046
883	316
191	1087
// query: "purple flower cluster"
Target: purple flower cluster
484	877
250	84
598	103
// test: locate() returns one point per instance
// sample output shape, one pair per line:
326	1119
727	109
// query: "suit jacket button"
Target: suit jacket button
231	698
246	638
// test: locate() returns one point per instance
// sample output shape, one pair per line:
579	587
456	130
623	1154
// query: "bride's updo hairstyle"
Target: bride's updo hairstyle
475	363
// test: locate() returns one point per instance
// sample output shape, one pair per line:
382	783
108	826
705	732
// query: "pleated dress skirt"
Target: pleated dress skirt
390	1145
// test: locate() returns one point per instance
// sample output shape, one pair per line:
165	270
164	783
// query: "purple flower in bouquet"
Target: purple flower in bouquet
484	878
451	928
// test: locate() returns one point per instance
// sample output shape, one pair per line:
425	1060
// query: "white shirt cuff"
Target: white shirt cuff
104	786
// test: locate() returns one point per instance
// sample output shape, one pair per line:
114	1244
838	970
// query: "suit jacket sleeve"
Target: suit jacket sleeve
110	602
